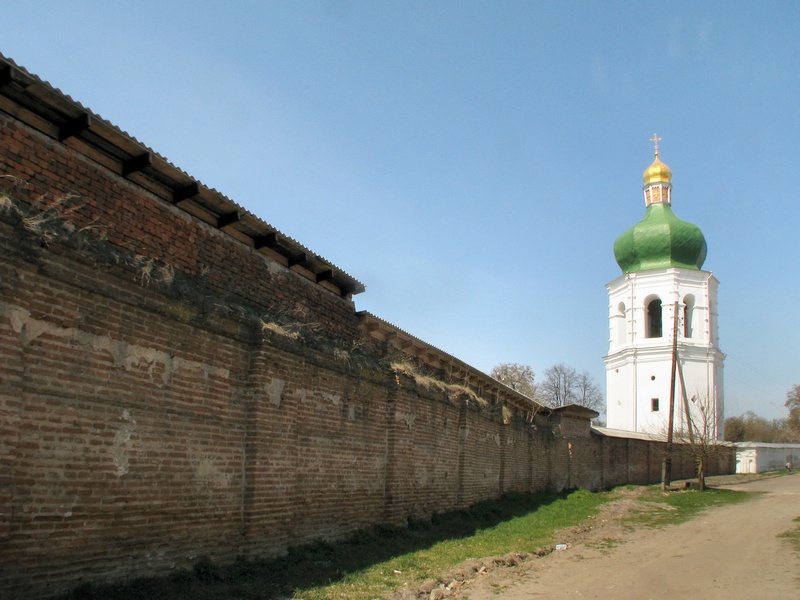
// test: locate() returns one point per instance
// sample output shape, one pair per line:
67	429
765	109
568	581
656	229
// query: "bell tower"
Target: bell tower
662	283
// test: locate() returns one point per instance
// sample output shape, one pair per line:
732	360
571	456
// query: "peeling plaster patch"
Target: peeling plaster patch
334	399
496	438
207	370
35	328
464	433
409	419
312	397
275	391
17	316
122	443
125	355
351	412
208	472
138	357
273	267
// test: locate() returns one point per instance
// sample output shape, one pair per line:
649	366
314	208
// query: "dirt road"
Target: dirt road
729	553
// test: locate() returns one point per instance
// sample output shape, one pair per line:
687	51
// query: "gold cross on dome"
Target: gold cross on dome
655	139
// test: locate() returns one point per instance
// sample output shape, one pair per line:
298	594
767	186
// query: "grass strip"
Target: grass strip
659	509
793	536
526	533
374	561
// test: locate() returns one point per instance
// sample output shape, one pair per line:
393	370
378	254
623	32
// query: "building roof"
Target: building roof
48	110
577	410
634	435
753	445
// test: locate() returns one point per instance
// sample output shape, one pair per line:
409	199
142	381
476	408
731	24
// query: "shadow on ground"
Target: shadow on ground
315	564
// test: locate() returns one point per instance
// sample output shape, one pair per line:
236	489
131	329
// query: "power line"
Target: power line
756	369
750	385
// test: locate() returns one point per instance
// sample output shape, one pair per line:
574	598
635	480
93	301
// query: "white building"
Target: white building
661	259
761	457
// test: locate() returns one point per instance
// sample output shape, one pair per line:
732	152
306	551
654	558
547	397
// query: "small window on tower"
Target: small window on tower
654	404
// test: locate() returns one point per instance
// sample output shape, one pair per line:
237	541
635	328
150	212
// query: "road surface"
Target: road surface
728	553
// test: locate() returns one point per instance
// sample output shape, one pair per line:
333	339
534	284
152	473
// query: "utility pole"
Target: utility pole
686	409
698	453
666	467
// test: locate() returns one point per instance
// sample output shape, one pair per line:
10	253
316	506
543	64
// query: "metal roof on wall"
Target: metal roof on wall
46	109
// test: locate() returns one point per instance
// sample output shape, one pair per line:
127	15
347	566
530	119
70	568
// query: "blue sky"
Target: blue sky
473	162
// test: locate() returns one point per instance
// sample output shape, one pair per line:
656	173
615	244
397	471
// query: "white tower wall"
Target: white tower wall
639	362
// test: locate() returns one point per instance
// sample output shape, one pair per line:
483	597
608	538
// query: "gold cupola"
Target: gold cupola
658	172
657	179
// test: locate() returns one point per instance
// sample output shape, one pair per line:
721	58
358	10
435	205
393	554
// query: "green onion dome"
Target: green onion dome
661	240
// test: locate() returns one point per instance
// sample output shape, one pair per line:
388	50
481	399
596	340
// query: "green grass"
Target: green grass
526	533
376	561
793	536
605	544
659	509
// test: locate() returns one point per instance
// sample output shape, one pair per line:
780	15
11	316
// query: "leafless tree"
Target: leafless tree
564	385
698	435
793	404
558	387
587	392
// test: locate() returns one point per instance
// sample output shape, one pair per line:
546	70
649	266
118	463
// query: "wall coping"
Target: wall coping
46	109
431	356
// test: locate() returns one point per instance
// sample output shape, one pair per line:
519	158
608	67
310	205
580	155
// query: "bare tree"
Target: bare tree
516	376
793	404
698	435
564	385
558	387
587	393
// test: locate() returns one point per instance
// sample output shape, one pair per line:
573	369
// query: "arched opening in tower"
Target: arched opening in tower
654	319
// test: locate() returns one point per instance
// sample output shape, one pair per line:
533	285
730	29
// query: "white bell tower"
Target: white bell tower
661	259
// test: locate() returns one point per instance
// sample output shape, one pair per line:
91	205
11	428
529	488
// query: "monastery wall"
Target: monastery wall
167	392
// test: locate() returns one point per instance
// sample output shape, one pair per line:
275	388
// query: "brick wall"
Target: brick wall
147	418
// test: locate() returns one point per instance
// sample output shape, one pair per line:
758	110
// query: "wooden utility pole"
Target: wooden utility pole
686	408
666	467
699	451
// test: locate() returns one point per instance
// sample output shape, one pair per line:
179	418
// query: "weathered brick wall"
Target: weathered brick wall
517	457
127	445
146	420
424	454
146	228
